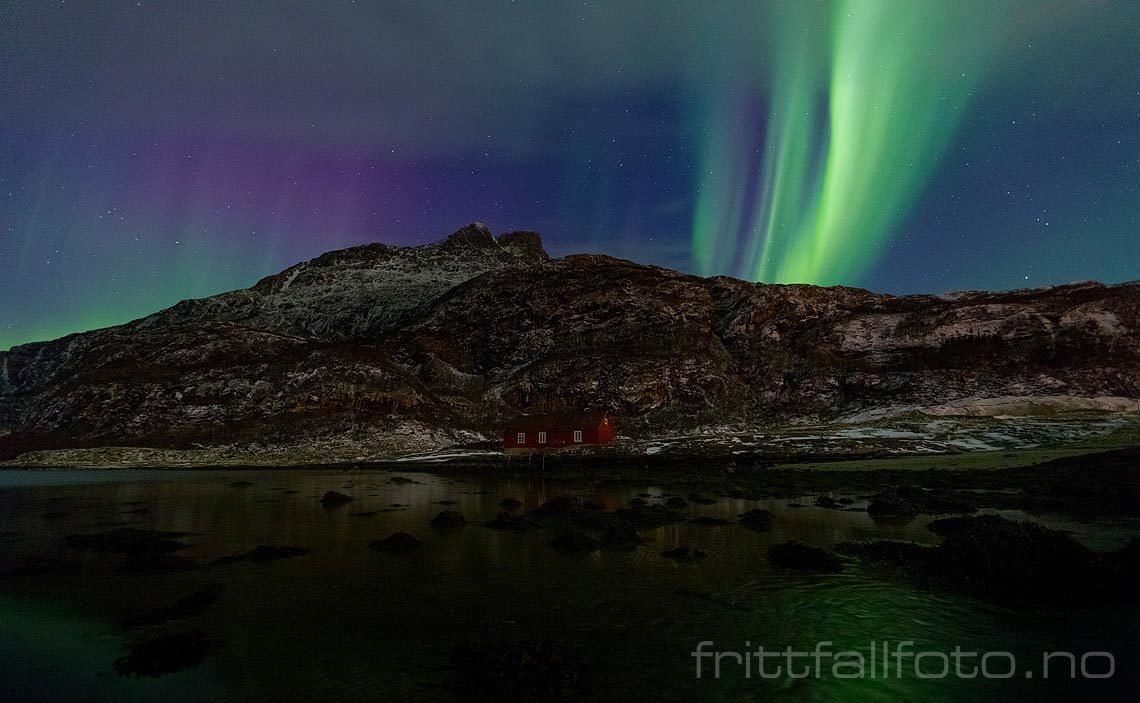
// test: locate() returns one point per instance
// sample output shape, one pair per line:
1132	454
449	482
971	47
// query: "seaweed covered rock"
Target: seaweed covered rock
684	553
887	551
396	542
893	559
165	653
515	671
802	557
510	503
185	607
264	553
128	540
507	521
1000	559
334	498
676	503
705	521
561	506
757	519
996	559
575	542
743	494
892	507
649	517
1128	557
622	535
449	518
701	500
908	501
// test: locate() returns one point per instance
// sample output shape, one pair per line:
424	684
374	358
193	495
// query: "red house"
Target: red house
539	432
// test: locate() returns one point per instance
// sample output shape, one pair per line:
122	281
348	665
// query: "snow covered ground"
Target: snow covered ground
910	433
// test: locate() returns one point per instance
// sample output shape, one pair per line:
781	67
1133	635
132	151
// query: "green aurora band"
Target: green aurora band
864	99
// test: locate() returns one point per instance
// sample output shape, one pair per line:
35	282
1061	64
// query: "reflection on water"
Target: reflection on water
346	623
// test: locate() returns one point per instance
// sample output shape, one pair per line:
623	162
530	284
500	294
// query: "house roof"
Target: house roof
535	423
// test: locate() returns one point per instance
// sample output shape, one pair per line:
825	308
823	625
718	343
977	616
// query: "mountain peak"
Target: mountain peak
524	243
476	233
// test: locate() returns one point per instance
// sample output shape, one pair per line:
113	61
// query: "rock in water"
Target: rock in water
622	535
575	542
684	554
165	653
263	553
128	540
757	519
1006	560
332	498
397	542
186	607
507	521
449	518
801	557
705	521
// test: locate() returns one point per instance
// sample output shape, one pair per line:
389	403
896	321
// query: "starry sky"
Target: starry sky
156	151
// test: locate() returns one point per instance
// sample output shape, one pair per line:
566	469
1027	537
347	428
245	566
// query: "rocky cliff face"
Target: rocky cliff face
462	334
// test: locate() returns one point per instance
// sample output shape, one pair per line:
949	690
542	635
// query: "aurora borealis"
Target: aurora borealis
834	185
152	152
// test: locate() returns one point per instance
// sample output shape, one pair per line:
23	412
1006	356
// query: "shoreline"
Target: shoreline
1035	481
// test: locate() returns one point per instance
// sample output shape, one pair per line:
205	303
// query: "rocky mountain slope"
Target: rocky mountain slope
448	340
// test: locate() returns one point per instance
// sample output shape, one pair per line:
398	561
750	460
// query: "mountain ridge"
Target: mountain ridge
458	335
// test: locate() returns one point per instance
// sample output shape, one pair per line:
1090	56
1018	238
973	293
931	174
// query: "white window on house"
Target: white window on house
542	438
577	435
522	438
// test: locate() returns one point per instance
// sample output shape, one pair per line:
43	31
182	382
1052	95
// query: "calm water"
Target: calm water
345	623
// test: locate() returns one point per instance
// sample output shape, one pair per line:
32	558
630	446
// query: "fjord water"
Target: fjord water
346	623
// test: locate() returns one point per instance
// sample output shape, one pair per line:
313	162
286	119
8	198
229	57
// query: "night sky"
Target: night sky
151	152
